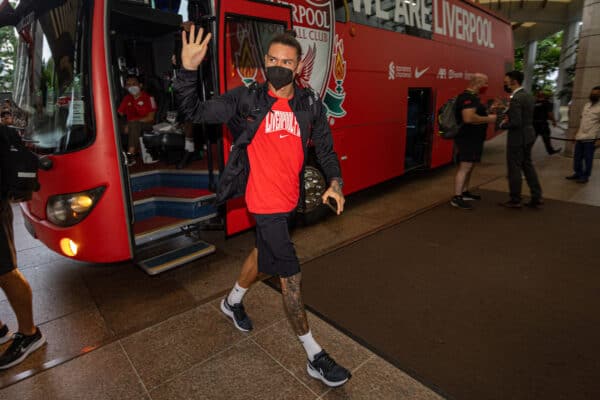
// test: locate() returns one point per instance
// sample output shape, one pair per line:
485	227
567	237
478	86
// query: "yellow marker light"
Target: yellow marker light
81	203
68	247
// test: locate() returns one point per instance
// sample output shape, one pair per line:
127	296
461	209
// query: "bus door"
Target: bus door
419	128
245	29
169	203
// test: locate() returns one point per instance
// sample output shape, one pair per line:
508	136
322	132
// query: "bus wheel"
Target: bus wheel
312	210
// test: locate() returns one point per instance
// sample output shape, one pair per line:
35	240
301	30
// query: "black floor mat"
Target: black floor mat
488	304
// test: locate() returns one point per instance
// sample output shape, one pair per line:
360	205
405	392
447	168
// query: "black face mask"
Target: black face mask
507	89
594	98
279	76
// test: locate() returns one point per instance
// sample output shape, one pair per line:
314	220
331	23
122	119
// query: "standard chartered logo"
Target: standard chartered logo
392	71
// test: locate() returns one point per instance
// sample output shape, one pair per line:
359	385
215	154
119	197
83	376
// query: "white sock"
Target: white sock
236	295
311	346
189	145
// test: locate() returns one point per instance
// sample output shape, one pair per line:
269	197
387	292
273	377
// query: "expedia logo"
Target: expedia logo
315	30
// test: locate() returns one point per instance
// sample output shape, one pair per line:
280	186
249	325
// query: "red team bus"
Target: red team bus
382	68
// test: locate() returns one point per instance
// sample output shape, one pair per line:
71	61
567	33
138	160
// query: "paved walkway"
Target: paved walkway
115	333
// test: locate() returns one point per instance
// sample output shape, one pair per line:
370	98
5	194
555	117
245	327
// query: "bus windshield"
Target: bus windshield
51	87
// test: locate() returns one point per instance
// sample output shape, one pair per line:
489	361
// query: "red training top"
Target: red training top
138	108
276	157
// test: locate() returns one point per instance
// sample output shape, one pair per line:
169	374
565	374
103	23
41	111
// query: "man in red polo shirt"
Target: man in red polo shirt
139	108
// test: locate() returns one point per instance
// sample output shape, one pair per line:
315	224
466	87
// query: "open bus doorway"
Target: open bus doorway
168	203
419	128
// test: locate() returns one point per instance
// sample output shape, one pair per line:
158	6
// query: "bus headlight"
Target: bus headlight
71	208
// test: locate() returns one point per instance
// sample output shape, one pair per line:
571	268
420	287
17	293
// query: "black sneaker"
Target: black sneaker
572	177
511	204
20	348
535	203
327	370
237	313
459	202
468	196
5	334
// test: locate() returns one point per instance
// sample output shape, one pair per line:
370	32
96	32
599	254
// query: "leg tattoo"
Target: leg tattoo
292	302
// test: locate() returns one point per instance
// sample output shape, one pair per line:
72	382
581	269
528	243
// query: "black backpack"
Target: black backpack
447	123
18	167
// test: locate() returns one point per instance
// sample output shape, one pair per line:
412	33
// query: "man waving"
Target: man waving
271	124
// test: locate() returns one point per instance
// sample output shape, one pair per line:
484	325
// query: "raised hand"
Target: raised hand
194	50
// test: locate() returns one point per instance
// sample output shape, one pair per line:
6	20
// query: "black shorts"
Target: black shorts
276	253
8	254
469	148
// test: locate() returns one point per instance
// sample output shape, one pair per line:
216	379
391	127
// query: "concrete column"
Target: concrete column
568	54
530	54
587	70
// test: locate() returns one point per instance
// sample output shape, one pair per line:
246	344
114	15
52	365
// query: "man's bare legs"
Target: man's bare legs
293	305
463	176
28	338
18	293
249	270
294	308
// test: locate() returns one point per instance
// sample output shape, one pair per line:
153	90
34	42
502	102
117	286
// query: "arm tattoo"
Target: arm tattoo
292	302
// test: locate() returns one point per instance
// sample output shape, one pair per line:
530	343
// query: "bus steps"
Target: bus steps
166	227
171	254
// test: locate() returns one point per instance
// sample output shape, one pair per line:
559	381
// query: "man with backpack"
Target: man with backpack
271	124
472	119
28	338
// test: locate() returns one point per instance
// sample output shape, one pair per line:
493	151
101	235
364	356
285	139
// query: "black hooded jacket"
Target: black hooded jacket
243	110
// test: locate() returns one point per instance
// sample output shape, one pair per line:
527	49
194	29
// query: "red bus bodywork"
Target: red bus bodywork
104	235
368	75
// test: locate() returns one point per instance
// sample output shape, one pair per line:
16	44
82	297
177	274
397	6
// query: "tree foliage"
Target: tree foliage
8	49
546	63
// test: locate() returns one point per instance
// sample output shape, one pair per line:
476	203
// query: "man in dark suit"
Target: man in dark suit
520	140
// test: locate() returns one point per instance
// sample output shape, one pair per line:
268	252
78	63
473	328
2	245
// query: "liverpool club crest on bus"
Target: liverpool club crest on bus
315	30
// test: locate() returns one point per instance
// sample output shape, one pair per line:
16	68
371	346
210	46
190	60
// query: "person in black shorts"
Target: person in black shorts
469	141
271	124
18	292
542	112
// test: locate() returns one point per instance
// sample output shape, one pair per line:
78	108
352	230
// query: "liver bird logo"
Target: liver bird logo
303	79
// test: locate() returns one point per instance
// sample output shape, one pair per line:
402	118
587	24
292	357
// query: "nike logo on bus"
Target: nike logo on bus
418	73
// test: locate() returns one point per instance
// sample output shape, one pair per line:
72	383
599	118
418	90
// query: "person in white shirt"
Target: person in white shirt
585	138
